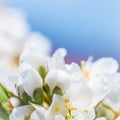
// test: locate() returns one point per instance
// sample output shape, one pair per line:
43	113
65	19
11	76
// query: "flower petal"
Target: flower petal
31	80
106	65
58	57
19	113
58	78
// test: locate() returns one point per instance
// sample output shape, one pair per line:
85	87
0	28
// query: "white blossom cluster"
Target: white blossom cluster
35	85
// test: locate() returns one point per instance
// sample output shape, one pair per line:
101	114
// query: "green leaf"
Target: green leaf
57	90
4	115
26	98
38	96
4	95
42	72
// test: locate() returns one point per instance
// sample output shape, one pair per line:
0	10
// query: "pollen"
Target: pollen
70	108
15	62
86	73
57	109
67	101
86	111
73	108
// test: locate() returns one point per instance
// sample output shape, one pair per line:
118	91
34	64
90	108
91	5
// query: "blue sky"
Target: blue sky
84	27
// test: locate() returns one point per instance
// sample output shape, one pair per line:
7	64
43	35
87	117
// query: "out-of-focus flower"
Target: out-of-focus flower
15	35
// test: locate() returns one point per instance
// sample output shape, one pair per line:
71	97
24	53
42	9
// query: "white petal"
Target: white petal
72	68
81	95
112	81
39	41
15	101
13	24
90	115
58	106
78	116
101	118
31	80
19	113
38	114
118	118
9	81
34	57
58	57
58	78
24	67
59	117
106	65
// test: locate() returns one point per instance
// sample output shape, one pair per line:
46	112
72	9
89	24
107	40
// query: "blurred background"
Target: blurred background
83	27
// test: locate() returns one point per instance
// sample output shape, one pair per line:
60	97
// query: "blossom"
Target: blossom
54	87
44	86
102	74
42	79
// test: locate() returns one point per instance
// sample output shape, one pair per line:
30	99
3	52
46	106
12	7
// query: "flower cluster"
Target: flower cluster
45	87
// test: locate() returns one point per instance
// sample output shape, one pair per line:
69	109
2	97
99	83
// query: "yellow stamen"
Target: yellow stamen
67	101
73	108
86	73
70	108
57	109
15	62
86	111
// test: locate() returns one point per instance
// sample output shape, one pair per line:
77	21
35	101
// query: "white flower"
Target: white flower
15	33
56	81
102	75
78	103
112	81
64	89
95	71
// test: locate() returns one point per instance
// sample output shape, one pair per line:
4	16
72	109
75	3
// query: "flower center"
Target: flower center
70	109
